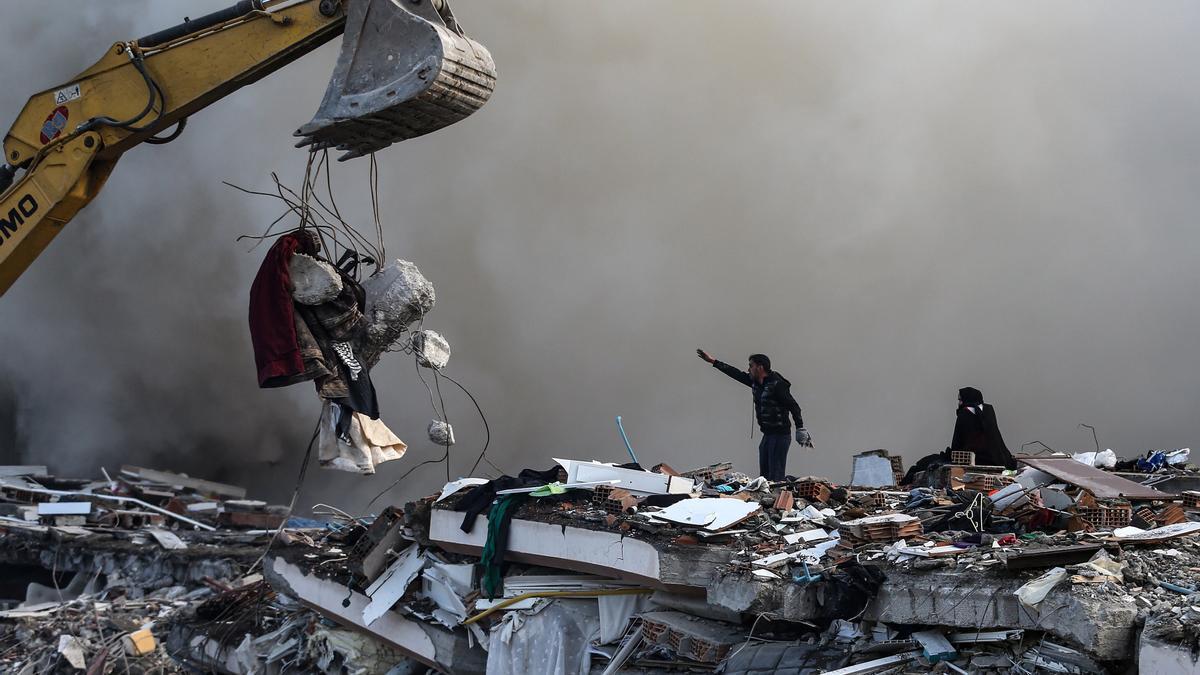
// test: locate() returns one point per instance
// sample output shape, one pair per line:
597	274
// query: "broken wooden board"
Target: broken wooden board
197	484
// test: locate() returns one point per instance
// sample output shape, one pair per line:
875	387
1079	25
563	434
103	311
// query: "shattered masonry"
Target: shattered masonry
584	567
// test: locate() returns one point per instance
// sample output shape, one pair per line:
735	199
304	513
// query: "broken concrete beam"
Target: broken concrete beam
10	471
1101	625
788	601
250	520
604	552
383	535
176	479
434	646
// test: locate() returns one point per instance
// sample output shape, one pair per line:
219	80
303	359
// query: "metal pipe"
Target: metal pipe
66	493
625	651
555	594
625	438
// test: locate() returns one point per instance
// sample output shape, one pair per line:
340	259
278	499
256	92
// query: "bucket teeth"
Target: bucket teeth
399	76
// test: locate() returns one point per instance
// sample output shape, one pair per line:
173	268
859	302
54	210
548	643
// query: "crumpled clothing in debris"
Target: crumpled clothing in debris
295	342
277	353
365	444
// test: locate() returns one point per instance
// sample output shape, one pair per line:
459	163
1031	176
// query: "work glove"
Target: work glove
803	438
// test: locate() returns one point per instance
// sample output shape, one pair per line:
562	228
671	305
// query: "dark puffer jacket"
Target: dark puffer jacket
773	399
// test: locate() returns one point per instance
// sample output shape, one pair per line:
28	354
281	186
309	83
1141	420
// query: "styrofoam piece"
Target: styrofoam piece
639	482
708	512
64	508
774	560
391	585
806	536
870	470
456	485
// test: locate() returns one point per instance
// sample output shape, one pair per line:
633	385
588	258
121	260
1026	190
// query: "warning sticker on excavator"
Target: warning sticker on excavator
67	94
55	122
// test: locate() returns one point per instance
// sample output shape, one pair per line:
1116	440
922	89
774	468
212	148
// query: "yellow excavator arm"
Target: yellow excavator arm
405	70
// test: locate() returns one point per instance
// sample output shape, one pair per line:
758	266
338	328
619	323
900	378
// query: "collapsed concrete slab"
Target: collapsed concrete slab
679	568
435	647
1102	624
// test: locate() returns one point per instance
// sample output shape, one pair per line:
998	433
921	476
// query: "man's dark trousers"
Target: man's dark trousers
772	455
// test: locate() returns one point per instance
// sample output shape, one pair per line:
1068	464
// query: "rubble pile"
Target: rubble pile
152	572
587	567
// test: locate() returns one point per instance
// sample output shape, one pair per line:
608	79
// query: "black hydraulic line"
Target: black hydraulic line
163	140
190	26
7	174
156	94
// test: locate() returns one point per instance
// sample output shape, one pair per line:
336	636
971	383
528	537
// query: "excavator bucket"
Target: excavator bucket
406	69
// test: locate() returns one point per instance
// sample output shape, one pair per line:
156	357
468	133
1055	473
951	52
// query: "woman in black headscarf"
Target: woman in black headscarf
976	431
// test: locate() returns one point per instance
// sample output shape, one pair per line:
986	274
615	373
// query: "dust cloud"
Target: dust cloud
891	200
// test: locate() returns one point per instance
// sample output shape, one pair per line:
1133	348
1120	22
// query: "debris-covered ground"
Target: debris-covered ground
579	567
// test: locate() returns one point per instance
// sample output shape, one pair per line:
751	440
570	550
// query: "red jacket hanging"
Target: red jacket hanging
272	319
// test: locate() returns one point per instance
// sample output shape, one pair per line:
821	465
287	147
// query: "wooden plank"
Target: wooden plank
197	484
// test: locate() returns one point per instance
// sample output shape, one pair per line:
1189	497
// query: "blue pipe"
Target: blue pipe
625	438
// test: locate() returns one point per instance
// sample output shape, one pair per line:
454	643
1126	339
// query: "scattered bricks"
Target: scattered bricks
984	482
664	468
1170	515
884	528
691	638
13	493
962	457
654	632
812	490
686	540
784	501
897	469
600	494
131	520
709	652
250	520
1191	499
709	473
1143	518
620	501
1106	517
610	520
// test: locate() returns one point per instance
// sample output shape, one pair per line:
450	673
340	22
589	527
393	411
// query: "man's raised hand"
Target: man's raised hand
705	355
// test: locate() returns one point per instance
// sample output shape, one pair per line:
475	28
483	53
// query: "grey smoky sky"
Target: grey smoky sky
893	200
